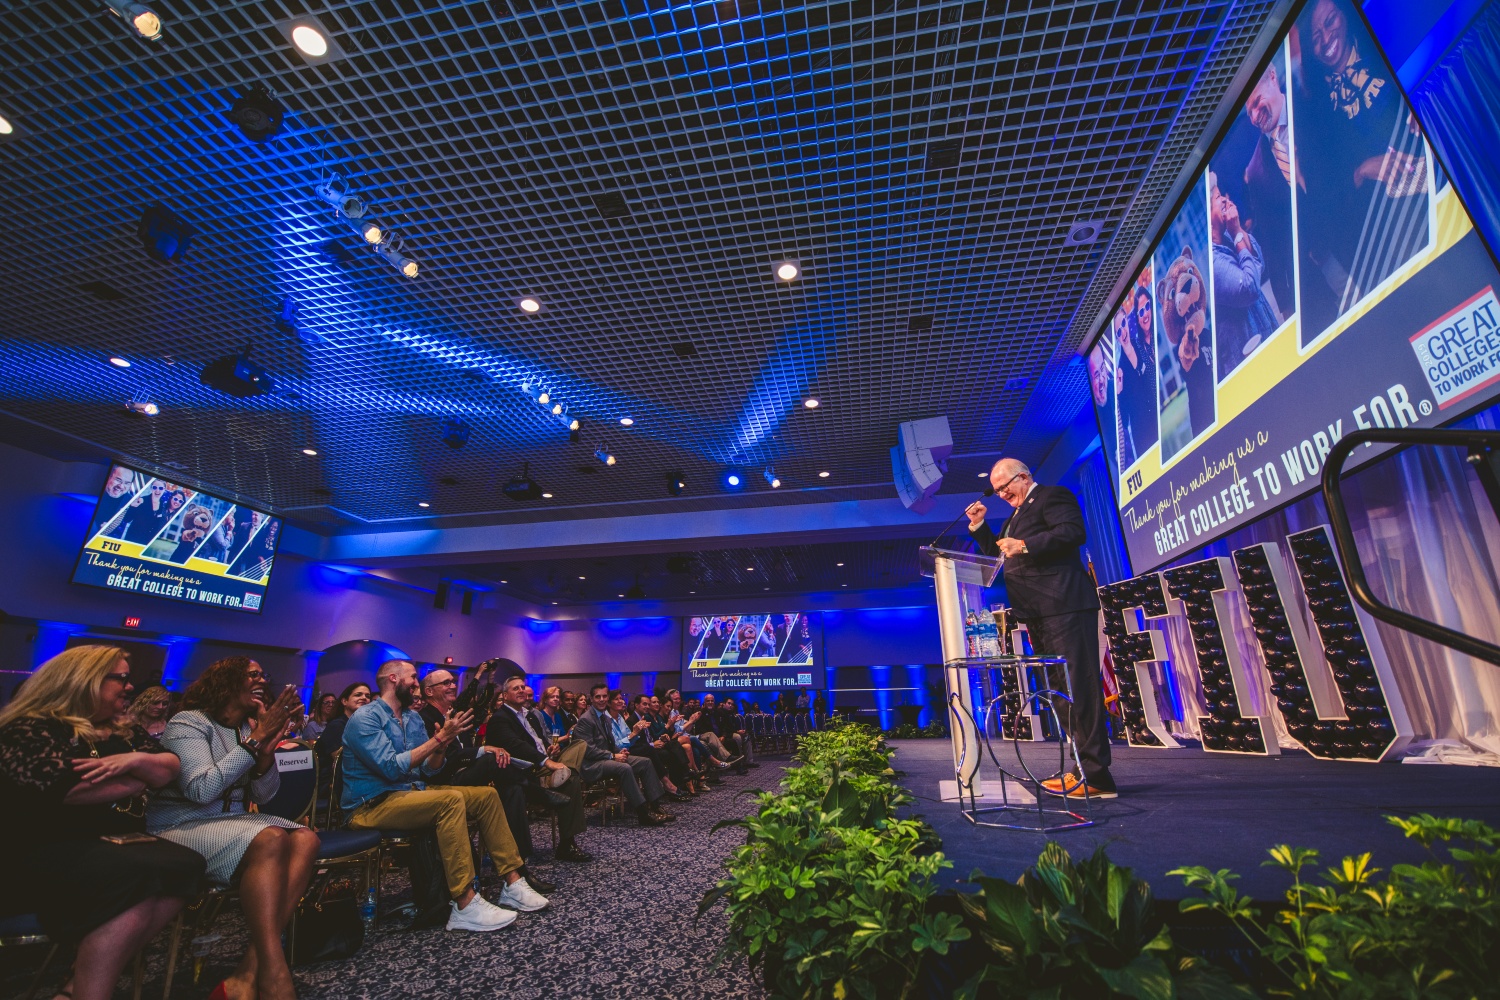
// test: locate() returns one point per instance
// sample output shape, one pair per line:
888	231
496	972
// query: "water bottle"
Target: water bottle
367	911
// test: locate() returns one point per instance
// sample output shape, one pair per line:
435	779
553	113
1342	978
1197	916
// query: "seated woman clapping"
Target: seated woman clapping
72	791
226	738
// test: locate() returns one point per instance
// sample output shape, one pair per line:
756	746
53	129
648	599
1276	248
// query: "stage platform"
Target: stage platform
1186	807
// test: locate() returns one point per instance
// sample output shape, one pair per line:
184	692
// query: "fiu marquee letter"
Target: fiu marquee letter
1204	588
1357	712
1134	651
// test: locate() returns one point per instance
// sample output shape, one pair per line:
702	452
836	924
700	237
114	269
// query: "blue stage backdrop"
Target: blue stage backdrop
1320	276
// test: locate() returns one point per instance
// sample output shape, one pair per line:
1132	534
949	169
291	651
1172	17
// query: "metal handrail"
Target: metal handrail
1480	445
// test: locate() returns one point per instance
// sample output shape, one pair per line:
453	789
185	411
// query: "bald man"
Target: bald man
1054	596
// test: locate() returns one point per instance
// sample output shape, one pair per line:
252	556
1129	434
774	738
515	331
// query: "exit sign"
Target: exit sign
132	621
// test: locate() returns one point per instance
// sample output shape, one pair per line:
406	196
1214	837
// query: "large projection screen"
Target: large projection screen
1320	276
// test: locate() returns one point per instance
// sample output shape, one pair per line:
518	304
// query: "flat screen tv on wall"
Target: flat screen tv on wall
159	538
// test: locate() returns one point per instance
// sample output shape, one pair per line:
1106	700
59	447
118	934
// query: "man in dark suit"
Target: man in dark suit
511	729
638	783
1052	593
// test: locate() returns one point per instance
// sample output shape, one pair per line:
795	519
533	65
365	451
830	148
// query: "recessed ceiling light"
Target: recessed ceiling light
843	585
554	602
765	588
810	403
841	564
309	451
309	40
6	128
530	305
546	496
982	475
119	362
788	270
505	581
749	569
620	595
692	592
822	475
583	578
423	503
627	421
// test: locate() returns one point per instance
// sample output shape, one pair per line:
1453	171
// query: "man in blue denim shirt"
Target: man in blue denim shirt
387	758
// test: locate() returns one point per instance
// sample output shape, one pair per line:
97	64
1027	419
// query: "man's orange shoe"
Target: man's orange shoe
1073	787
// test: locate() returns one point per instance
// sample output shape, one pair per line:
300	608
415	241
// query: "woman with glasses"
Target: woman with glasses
226	737
80	859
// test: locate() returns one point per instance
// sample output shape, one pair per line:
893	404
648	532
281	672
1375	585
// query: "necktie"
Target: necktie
1282	153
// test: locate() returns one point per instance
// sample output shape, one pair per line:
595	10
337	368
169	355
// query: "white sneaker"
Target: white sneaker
520	896
479	915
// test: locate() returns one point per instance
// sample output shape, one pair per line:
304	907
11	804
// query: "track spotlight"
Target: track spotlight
675	483
163	235
732	479
369	231
454	432
142	19
258	114
141	408
603	455
544	397
334	193
557	409
574	425
772	479
390	249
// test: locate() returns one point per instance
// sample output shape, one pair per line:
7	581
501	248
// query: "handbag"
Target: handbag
329	931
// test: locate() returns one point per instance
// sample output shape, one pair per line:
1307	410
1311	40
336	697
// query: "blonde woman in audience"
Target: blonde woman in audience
81	860
150	710
226	736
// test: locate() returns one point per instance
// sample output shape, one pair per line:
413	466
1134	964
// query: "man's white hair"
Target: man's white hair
1010	466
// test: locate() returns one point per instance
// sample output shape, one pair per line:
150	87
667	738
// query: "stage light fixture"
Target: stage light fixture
237	375
732	479
454	432
390	249
309	452
332	191
810	403
369	231
574	425
788	270
141	408
627	421
675	483
119	362
557	409
530	305
772	478
603	455
544	398
163	234
258	115
142	19
522	487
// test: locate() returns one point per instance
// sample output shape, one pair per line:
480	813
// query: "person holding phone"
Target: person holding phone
226	737
80	859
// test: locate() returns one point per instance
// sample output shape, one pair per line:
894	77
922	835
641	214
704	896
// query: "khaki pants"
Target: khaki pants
447	811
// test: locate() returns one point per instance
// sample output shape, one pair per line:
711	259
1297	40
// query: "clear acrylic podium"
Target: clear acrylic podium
1020	802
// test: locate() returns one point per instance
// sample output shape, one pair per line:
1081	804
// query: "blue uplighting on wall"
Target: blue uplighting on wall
613	680
538	627
51	639
916	675
880	680
648	682
179	651
537	682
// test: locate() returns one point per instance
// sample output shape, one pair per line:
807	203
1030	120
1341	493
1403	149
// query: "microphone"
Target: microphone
989	491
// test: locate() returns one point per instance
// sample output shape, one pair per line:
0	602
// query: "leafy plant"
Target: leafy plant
1085	930
911	731
829	896
1430	930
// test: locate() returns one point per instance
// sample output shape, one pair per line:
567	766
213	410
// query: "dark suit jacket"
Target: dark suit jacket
1268	208
1050	578
599	736
505	731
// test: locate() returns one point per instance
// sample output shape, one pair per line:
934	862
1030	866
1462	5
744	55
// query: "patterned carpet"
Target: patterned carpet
622	926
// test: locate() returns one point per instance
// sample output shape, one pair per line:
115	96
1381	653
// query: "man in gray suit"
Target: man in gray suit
638	781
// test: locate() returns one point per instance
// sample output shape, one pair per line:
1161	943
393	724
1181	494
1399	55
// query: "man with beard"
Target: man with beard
388	758
468	764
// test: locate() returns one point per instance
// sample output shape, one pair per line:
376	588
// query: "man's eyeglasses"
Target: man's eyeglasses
1009	481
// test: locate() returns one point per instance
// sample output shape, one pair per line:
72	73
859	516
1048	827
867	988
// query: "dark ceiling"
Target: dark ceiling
636	166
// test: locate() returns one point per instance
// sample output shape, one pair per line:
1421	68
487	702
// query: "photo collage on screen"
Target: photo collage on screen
750	640
1317	195
174	523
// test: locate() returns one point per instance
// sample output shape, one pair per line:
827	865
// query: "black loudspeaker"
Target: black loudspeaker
440	599
468	605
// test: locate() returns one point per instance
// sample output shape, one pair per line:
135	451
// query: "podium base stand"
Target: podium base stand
948	792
